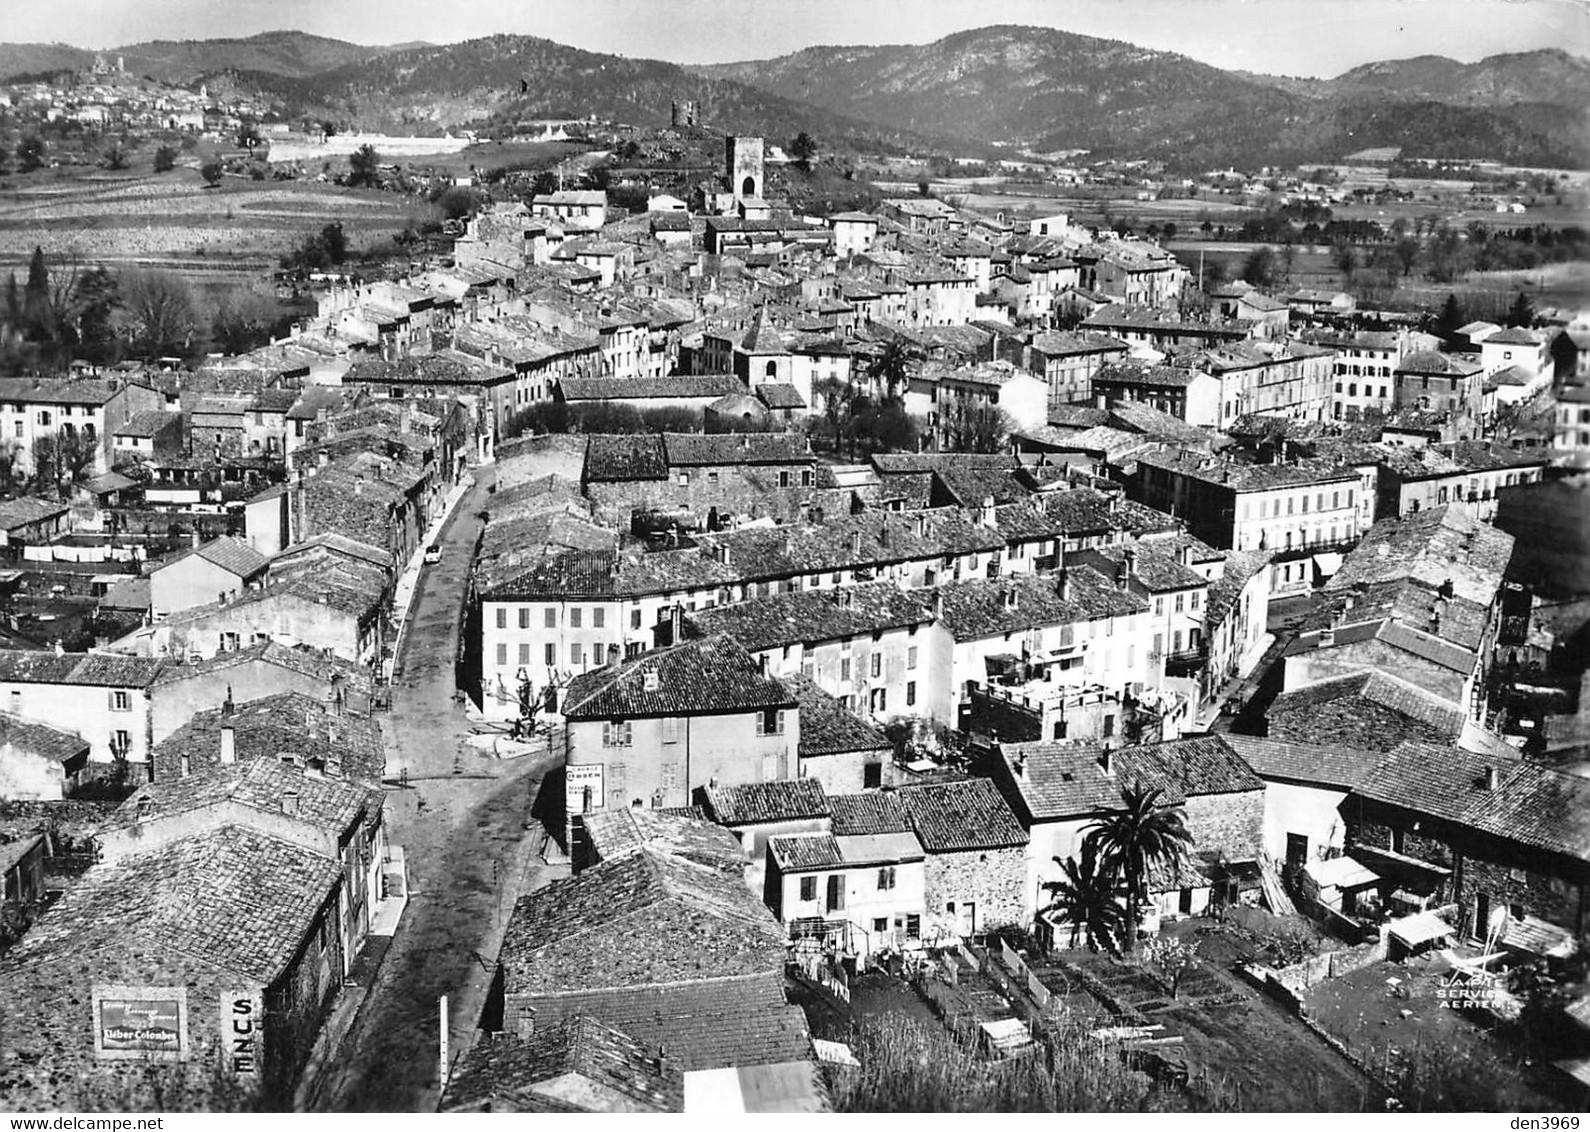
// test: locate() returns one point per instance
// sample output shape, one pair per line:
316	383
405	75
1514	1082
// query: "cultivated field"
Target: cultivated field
173	220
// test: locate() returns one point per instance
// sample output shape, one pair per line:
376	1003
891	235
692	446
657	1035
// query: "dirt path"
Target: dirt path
462	821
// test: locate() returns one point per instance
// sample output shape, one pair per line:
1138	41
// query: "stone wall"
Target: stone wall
1229	824
994	880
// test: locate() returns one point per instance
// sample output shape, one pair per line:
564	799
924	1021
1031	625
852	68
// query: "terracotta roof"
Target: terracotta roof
864	814
961	816
752	803
634	388
19	666
689	449
38	739
828	727
710	676
814	616
333	805
805	852
230	554
1322	764
26	509
706	1023
644	919
616	832
504	1073
1372	710
288	722
230	896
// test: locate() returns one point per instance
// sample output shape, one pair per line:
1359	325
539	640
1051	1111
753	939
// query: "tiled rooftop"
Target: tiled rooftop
960	816
752	803
712	675
828	727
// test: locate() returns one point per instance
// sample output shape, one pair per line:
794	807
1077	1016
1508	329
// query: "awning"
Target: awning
1420	928
1341	872
1537	937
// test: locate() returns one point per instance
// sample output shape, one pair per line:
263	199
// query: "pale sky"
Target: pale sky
1294	37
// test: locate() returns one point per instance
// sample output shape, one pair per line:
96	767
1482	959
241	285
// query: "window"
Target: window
1196	596
808	888
1159	643
783	479
913	926
885	878
670	729
502	656
524	655
616	733
910	657
599	617
770	722
910	693
552	656
871	776
1159	607
844	668
712	477
576	655
634	619
502	618
880	925
877	665
551	619
1181	602
880	700
120	701
524	617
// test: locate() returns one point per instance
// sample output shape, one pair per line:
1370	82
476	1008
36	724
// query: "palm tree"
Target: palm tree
892	368
1090	898
1142	837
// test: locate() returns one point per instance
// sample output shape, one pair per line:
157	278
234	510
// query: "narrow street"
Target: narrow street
461	817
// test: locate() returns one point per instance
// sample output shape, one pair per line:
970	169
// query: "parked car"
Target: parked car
433	553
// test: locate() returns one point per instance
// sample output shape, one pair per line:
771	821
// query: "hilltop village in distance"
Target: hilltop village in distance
559	614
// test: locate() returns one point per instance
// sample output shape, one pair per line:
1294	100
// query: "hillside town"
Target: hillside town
674	661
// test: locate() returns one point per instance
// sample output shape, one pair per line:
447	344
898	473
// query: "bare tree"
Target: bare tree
968	426
158	315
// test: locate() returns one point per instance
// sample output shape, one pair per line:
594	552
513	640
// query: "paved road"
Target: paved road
462	820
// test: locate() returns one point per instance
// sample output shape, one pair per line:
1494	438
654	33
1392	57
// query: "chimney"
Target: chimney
986	512
1021	764
1064	588
1493	778
227	707
1107	762
1187	555
146	808
358	485
290	802
938	605
228	744
761	663
186	765
651	681
1011	598
662	1059
1123	572
334	768
676	623
855	543
1327	638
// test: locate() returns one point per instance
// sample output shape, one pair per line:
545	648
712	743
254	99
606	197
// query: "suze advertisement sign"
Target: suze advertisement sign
141	1023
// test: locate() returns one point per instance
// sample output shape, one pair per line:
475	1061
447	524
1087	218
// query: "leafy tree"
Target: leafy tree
838	401
885	426
96	300
5	159
165	159
62	458
1260	268
115	157
1407	250
1088	897
10	453
803	149
363	166
158	316
922	187
212	172
543	183
30	153
455	202
1345	258
1138	839
335	242
1450	319
1522	312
